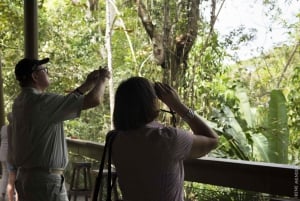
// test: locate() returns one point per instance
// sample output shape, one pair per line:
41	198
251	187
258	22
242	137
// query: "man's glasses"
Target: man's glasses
45	69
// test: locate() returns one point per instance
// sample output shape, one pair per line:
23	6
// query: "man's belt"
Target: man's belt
56	171
59	171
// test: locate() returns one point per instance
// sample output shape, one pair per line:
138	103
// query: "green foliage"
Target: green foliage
252	138
243	102
204	192
11	46
294	116
233	98
260	76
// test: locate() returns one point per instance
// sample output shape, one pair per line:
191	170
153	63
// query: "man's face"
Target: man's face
41	77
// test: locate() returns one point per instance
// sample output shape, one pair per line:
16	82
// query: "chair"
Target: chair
77	187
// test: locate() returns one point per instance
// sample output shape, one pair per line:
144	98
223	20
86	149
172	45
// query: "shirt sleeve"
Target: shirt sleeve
180	143
61	108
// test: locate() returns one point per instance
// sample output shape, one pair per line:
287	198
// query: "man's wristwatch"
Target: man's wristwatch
190	114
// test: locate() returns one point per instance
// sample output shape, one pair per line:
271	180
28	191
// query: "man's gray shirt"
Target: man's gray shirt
37	129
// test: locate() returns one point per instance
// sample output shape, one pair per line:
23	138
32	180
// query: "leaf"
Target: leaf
236	132
260	147
245	107
278	132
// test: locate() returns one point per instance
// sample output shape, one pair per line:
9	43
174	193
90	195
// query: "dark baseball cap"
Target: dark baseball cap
26	66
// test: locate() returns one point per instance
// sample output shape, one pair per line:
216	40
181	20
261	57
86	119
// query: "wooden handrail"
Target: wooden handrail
271	178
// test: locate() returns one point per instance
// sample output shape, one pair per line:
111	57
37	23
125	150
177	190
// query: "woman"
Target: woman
3	157
147	154
12	170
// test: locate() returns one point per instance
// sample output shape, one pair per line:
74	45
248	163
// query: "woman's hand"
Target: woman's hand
205	139
167	94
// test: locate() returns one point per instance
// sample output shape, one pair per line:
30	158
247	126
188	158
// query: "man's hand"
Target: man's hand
96	82
102	74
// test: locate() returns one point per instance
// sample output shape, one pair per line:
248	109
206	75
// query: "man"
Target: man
38	141
3	157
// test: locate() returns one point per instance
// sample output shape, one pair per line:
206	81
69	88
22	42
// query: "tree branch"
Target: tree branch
213	18
158	50
145	18
288	63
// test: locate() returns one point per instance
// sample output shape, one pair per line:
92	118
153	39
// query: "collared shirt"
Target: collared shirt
37	128
149	162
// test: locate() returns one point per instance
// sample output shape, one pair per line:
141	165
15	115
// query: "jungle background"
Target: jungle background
253	104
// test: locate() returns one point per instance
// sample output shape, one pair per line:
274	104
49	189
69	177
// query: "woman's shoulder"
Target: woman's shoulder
164	131
154	129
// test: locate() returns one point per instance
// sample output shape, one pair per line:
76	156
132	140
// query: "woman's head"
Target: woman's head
136	104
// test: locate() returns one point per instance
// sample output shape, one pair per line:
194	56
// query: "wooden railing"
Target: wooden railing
270	178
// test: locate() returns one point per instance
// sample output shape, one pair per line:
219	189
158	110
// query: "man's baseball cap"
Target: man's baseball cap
26	66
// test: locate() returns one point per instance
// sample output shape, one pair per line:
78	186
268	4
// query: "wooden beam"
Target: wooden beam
86	148
271	178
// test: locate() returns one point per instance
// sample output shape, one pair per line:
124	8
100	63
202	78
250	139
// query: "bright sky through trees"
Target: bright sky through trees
252	14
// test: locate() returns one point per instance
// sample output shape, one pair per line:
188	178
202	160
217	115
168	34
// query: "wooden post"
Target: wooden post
31	29
2	112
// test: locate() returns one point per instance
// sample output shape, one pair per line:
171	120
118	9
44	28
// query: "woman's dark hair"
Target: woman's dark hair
135	104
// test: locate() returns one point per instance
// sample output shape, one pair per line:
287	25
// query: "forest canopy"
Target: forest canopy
253	104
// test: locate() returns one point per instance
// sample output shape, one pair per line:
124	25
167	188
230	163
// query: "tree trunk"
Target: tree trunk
172	45
109	24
